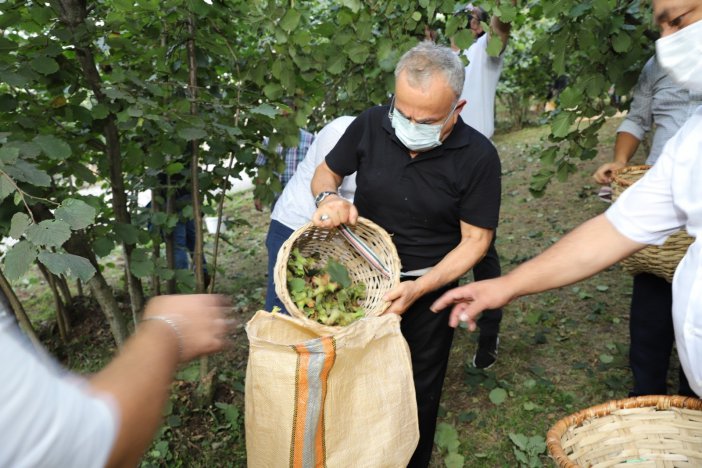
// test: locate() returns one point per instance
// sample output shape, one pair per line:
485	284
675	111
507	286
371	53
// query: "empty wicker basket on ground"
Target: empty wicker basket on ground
658	260
310	239
647	431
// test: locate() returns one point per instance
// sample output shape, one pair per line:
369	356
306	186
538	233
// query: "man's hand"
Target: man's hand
201	326
471	300
603	175
335	210
402	297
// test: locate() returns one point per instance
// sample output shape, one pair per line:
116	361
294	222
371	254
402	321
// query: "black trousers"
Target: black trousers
489	268
652	336
429	338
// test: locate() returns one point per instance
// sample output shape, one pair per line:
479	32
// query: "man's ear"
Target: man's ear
460	105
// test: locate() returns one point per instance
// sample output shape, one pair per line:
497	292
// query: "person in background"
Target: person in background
53	418
292	157
433	183
295	206
657	100
479	88
666	199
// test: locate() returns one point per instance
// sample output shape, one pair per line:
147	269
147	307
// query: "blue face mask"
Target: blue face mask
417	137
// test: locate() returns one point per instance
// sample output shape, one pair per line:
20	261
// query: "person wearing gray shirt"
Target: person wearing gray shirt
657	101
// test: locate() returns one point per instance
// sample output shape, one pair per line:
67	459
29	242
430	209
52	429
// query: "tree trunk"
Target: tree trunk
73	14
16	307
61	319
194	163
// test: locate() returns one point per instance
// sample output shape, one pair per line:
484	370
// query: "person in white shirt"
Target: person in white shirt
50	417
666	199
296	205
483	70
479	88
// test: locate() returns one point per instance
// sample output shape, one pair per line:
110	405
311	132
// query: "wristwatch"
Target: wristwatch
321	196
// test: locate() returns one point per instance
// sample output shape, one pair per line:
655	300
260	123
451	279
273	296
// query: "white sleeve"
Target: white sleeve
646	211
48	419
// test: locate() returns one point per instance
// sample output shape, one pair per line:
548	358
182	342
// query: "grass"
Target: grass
560	351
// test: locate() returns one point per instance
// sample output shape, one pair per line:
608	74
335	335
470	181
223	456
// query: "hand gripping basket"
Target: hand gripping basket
659	260
330	243
646	431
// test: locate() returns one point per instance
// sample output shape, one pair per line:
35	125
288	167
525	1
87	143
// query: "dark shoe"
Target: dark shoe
486	354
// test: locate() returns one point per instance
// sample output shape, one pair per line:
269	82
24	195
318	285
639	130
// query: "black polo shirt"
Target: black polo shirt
420	201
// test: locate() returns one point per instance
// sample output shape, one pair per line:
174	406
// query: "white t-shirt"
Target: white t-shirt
295	206
667	198
482	74
46	418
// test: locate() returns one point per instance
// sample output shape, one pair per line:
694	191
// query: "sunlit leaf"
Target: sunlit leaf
64	263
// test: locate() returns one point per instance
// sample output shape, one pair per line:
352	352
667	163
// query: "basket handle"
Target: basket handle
364	249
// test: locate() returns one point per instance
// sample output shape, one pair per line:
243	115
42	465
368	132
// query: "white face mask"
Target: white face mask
679	55
417	137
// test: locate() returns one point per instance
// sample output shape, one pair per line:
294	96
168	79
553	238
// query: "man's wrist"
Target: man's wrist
321	196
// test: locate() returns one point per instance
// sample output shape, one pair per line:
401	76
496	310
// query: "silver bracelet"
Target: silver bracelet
175	329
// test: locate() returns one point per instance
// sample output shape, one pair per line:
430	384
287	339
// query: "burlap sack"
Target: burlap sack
315	399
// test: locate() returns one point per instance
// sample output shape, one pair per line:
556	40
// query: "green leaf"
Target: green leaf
9	154
296	285
127	232
100	111
273	91
18	259
49	233
621	43
231	412
353	5
6	186
561	124
570	97
358	53
77	213
290	20
103	246
18	225
64	263
454	460
445	436
602	287
174	168
498	395
190	373
140	264
606	358
192	133
6	45
27	172
520	440
336	64
53	147
45	65
416	16
265	109
463	39
494	46
338	273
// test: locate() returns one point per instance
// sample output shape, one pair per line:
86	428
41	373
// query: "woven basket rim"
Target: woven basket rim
280	268
618	176
662	402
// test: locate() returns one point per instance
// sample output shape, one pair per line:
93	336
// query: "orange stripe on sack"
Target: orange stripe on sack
301	393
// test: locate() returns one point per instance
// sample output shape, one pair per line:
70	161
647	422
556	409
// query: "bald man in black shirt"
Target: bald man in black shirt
434	184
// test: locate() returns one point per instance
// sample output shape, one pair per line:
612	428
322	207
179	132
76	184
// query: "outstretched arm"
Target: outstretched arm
588	249
139	378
